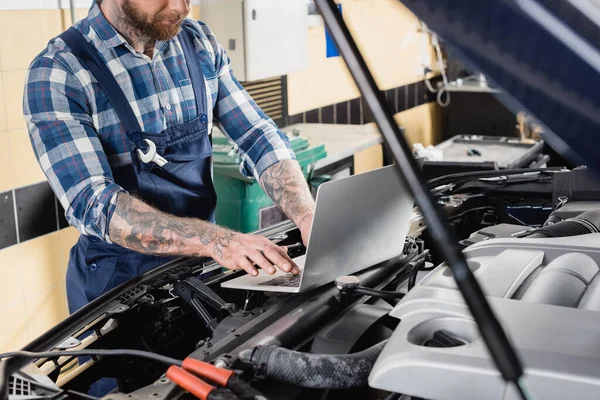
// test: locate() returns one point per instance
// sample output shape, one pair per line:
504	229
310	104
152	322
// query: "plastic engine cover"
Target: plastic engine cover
546	294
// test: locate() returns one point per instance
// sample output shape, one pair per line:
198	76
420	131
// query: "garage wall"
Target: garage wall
34	249
387	34
34	237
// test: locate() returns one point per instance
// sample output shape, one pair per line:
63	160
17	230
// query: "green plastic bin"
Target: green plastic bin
242	205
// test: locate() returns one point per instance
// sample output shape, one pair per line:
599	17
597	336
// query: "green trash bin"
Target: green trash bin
242	205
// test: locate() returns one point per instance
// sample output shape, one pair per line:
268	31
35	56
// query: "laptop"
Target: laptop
359	221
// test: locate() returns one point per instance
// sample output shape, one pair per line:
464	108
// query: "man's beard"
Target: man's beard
151	27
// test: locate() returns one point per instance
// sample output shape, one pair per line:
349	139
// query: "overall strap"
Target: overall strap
88	56
193	63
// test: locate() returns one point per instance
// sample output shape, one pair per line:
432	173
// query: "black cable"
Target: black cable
393	396
94	352
454	178
414	270
82	395
522	390
503	353
382	294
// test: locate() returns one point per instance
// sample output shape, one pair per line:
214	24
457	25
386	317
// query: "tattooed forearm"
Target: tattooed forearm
285	184
221	243
140	227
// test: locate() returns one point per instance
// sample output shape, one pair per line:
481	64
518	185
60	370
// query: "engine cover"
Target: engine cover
545	293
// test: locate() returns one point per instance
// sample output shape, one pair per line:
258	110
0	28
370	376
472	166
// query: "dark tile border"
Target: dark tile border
327	114
356	111
312	117
8	222
29	212
342	113
36	211
356	117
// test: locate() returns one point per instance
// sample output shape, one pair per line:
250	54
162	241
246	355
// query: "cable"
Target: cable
522	390
94	352
461	176
82	395
446	103
429	87
444	89
414	270
382	294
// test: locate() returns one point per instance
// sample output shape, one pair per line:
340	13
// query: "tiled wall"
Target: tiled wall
32	296
387	34
402	100
34	240
34	244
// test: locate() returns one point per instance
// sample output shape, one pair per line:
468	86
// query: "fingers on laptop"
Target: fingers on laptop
245	264
260	260
278	256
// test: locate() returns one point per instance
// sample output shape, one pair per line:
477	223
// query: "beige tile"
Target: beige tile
2	106
52	24
368	159
20	38
6	175
323	82
14	84
45	309
33	282
386	32
80	13
40	263
66	239
25	168
195	12
14	332
422	124
10	276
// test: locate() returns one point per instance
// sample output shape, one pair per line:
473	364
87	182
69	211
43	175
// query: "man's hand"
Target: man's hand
240	251
140	227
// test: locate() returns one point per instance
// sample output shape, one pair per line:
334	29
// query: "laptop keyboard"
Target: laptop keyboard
283	281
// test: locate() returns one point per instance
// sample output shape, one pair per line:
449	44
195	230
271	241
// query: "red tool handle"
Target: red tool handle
214	374
189	382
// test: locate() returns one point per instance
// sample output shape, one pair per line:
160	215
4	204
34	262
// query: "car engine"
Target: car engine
532	239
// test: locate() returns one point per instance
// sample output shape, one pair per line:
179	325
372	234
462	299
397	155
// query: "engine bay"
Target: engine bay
531	241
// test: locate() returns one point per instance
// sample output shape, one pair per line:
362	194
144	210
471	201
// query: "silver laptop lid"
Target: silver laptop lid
359	221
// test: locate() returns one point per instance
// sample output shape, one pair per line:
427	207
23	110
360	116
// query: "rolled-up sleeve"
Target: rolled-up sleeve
260	143
67	146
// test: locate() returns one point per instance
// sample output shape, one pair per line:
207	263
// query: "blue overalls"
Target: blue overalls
183	186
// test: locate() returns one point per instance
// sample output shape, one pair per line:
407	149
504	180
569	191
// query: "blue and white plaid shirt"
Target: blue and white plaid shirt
67	114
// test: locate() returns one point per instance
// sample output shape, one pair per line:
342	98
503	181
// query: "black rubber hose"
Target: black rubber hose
456	178
382	294
414	270
588	222
593	217
394	396
315	371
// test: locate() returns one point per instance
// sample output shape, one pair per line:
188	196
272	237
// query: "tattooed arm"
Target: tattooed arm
285	184
140	227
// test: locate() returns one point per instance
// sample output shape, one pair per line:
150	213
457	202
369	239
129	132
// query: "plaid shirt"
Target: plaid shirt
69	117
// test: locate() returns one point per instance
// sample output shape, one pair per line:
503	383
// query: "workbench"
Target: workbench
341	141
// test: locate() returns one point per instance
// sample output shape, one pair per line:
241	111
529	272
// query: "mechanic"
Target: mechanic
120	121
